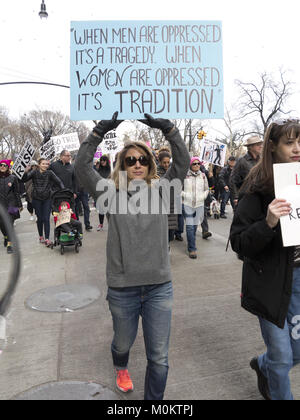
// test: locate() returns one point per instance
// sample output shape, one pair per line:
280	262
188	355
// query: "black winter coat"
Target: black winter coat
43	183
240	172
66	174
224	177
268	266
9	192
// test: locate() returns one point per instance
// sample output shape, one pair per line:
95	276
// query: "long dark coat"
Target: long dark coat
268	266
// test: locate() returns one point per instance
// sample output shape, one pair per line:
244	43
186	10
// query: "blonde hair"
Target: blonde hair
120	165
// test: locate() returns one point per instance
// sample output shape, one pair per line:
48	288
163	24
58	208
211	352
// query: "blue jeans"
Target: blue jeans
193	216
283	347
180	229
84	198
154	304
42	210
225	196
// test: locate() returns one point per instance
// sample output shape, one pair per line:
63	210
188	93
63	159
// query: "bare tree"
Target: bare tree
266	99
233	133
33	126
8	129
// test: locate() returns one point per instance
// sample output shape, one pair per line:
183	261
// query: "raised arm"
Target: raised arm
84	170
180	154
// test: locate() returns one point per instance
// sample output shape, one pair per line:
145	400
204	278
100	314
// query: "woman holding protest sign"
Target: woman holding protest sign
9	198
271	272
43	179
138	263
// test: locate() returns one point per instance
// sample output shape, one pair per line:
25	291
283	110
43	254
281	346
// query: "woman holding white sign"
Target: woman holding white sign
138	264
271	272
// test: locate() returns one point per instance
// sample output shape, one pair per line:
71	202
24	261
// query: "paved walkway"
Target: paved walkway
212	338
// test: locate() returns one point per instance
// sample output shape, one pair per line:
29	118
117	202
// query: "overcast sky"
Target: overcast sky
258	35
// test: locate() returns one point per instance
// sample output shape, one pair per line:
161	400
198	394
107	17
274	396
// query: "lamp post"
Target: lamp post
43	13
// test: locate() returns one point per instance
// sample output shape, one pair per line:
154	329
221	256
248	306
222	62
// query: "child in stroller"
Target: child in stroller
68	230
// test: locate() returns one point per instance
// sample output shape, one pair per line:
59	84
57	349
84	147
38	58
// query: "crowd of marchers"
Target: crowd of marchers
138	269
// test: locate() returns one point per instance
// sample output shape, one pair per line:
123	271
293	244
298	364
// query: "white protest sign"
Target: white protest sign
47	150
23	159
173	69
111	144
213	152
68	142
287	186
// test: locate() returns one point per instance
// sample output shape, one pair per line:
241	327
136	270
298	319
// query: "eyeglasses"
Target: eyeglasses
3	165
131	160
195	163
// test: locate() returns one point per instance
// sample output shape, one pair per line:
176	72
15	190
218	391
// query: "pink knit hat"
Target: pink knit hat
7	162
195	158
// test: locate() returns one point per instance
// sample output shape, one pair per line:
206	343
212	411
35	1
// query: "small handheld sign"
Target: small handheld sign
287	186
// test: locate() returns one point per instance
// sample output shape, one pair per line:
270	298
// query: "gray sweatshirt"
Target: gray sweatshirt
137	244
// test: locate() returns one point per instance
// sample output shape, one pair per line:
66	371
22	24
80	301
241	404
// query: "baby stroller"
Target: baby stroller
62	238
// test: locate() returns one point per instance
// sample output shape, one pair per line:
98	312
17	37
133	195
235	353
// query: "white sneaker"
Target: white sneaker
100	227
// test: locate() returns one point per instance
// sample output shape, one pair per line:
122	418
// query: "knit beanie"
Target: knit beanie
195	158
7	162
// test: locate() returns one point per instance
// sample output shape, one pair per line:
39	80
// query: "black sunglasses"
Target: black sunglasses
3	164
195	163
131	160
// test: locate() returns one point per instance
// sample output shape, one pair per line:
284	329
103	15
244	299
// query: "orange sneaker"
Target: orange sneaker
123	381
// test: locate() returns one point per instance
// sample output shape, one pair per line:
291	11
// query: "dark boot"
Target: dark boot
262	381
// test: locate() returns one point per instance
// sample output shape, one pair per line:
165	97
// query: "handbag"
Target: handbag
14	211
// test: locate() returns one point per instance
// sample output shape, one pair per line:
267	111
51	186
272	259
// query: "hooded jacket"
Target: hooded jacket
64	216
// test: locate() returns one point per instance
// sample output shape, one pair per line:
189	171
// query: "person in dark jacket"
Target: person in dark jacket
64	170
271	272
225	193
9	198
28	189
104	170
164	162
244	164
43	180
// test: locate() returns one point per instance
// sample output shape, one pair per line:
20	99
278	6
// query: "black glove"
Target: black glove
105	126
164	125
